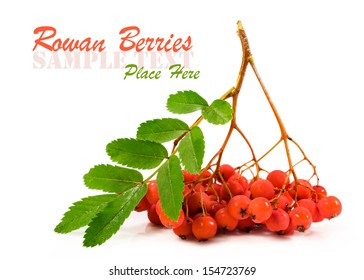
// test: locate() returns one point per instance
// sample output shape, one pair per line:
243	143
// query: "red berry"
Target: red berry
319	192
301	218
198	215
153	216
158	207
318	218
247	193
204	227
226	171
262	188
214	207
188	177
186	190
235	187
246	225
185	229
224	220
213	189
278	178
289	230
237	184
206	175
143	205
238	207
260	209
302	189
278	221
168	222
152	193
310	205
285	202
223	202
199	188
194	201
212	198
329	207
224	195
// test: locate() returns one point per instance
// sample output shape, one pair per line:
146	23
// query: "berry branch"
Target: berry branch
246	58
284	135
191	199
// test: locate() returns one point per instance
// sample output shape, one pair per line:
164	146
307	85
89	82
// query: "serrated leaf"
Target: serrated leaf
109	221
170	187
136	153
82	212
184	102
111	178
219	112
161	130
192	149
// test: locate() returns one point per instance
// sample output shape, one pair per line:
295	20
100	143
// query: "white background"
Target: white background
55	125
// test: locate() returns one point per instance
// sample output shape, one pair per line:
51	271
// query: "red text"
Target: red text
129	42
48	32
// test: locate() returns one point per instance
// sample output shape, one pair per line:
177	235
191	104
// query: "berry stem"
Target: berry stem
247	56
284	135
235	94
305	158
250	147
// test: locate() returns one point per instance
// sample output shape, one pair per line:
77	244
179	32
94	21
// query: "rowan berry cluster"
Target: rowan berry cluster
226	201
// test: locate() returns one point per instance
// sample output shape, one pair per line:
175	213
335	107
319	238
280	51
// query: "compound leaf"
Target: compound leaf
82	212
161	130
136	153
184	102
219	112
170	187
109	220
192	149
111	178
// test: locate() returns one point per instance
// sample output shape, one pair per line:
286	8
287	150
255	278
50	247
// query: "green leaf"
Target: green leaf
161	130
184	102
170	187
82	212
111	178
192	149
108	222
136	153
219	112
